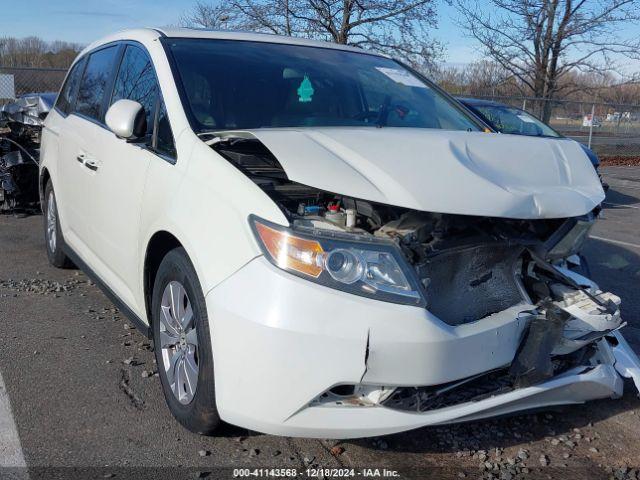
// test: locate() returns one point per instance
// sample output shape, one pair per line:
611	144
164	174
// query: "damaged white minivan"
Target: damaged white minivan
321	242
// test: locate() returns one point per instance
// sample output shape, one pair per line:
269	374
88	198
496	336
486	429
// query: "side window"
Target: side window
137	81
163	141
95	82
68	92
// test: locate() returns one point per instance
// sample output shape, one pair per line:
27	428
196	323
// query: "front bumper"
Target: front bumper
280	342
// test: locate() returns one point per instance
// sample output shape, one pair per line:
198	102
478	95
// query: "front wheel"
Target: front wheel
182	344
52	233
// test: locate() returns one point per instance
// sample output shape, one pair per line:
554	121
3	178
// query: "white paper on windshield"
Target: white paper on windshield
401	76
526	119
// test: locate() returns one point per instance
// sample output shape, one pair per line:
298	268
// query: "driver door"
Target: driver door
119	182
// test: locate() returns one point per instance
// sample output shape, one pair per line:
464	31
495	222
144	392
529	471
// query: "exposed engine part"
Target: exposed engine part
334	215
317	222
299	201
467	284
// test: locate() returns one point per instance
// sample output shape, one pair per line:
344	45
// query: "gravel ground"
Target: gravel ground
87	401
621	160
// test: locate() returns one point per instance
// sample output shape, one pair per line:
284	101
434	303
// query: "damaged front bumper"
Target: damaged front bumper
296	358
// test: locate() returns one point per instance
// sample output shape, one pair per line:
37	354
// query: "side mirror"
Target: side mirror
127	119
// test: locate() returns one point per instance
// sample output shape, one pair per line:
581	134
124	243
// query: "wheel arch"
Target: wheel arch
160	243
45	177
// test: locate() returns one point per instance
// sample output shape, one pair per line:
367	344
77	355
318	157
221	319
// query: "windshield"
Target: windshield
231	84
514	121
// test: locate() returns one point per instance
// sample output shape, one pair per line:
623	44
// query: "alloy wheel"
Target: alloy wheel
179	342
51	223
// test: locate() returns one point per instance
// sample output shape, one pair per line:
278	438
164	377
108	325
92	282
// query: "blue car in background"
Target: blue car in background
506	119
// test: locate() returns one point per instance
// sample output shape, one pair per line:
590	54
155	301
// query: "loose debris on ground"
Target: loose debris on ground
43	286
620	161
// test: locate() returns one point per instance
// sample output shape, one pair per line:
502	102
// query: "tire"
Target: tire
176	291
54	242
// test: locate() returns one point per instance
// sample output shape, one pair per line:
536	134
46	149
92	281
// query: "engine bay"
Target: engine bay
485	263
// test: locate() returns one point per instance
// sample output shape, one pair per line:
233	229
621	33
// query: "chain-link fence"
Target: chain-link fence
16	81
611	130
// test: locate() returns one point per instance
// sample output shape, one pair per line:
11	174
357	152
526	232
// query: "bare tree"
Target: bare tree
482	78
542	41
211	16
397	27
35	52
490	78
22	51
61	54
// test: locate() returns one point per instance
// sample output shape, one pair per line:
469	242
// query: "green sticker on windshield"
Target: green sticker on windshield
305	90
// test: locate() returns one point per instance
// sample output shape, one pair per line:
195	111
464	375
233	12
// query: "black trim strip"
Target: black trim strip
110	294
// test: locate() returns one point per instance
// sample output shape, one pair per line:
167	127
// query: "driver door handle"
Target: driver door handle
91	164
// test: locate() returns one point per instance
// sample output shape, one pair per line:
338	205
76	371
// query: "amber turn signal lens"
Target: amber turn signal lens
290	252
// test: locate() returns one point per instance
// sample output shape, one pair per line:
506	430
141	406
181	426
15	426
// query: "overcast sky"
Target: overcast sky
85	21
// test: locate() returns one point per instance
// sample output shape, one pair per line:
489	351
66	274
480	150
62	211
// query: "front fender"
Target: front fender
205	203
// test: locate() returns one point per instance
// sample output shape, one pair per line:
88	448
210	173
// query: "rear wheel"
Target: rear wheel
52	232
182	344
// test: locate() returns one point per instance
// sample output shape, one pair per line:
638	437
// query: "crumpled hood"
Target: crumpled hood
470	173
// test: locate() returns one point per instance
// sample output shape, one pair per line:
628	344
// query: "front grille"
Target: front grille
468	284
423	399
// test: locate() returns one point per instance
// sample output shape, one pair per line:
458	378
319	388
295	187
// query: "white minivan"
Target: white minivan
320	241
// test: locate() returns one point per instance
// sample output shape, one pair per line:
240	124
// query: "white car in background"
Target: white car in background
321	242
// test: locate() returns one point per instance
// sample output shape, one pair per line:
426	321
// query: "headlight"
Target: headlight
368	267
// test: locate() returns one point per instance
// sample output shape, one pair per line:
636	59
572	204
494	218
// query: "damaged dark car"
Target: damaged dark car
20	130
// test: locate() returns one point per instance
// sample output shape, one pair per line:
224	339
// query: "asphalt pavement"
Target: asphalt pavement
79	396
